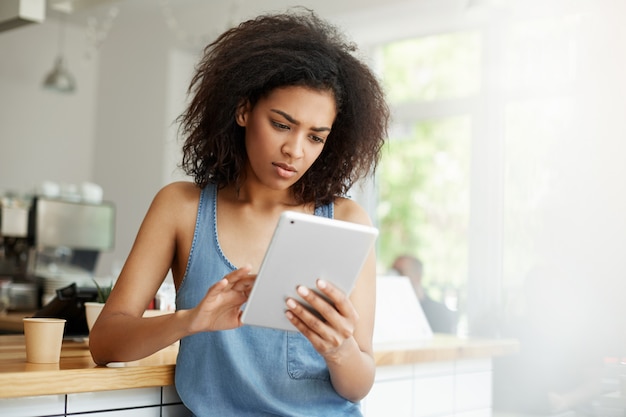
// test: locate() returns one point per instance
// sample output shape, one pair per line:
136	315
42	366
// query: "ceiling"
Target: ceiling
203	19
208	7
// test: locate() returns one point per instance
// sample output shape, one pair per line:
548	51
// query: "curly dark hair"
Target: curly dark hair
247	62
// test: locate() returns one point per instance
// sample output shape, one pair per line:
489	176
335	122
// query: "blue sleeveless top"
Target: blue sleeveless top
248	371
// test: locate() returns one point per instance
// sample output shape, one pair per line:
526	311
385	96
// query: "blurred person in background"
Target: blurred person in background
439	316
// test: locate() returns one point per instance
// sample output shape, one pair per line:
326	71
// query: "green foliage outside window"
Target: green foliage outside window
424	199
424	175
433	67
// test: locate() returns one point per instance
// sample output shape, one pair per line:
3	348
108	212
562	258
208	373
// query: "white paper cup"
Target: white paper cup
92	311
44	337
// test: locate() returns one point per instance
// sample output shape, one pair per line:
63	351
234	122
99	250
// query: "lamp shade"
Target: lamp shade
59	78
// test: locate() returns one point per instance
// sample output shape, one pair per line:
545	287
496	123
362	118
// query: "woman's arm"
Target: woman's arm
121	334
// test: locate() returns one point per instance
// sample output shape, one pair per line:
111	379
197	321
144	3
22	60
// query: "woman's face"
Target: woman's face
285	133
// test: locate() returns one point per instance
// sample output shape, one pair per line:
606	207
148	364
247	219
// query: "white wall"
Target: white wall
115	130
44	135
131	127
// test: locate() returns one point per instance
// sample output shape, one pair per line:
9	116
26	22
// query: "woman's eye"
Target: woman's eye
318	139
280	126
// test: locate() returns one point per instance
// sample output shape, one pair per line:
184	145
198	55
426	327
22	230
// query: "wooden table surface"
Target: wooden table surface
76	371
442	347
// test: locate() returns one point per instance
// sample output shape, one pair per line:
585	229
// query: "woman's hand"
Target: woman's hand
327	334
220	309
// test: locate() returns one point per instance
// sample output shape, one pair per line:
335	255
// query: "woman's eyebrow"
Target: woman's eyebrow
296	122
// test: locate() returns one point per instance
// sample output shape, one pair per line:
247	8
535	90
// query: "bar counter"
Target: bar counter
442	348
76	372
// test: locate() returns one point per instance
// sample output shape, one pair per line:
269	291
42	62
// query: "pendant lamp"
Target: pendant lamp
59	79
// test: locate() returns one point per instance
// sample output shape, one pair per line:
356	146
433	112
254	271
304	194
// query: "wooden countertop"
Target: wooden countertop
442	348
76	371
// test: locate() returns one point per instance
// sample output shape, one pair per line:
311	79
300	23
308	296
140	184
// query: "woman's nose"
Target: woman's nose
294	146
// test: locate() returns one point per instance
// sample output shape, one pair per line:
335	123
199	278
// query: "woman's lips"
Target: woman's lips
284	170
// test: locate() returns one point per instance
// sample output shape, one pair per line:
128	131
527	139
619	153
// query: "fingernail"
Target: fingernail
321	284
291	303
303	291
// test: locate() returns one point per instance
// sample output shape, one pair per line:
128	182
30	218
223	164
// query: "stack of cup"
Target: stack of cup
44	337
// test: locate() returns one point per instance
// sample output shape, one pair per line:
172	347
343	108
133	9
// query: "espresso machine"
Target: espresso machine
17	287
47	244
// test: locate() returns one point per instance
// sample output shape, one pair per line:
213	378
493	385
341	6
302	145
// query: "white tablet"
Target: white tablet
303	249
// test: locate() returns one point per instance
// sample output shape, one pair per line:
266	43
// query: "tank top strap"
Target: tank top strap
326	210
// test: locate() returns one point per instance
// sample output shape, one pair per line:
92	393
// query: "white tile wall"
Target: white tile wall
390	398
143	402
473	391
391	394
473	365
422	370
474	386
133	412
389	373
486	412
107	400
434	395
48	405
434	389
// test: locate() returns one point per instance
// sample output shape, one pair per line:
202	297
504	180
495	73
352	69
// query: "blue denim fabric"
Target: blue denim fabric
249	371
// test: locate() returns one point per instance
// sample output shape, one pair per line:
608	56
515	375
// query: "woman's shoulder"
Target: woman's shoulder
178	194
351	211
180	189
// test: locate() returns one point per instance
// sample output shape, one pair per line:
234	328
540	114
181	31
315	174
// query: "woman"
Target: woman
283	117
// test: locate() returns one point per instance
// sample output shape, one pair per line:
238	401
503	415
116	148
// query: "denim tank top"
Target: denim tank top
249	371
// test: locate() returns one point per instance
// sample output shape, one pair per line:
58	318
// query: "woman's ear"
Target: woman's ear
241	116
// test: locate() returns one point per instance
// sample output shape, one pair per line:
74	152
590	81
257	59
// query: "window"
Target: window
432	67
424	198
424	176
482	176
